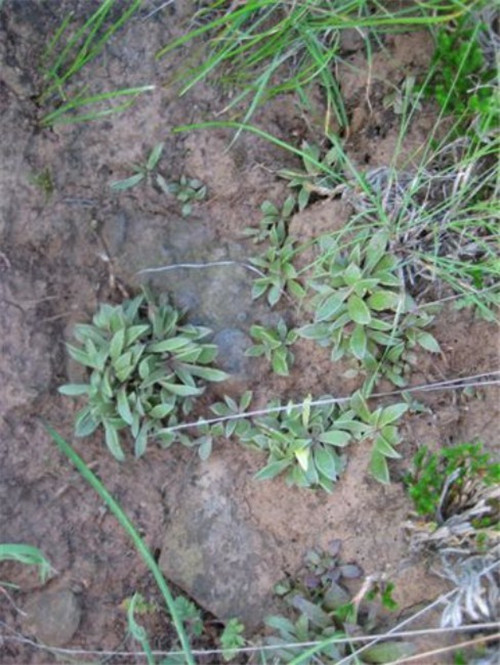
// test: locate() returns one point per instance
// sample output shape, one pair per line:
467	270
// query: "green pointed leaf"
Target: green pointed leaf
272	470
133	333
82	357
123	406
85	423
302	455
113	442
141	441
360	407
161	411
335	438
358	342
154	157
207	373
382	300
358	311
428	342
352	274
391	414
379	468
388	652
205	449
117	344
330	307
279	362
74	389
181	389
169	345
121	185
383	447
326	462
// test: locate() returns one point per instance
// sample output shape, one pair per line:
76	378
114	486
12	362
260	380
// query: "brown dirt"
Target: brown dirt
52	274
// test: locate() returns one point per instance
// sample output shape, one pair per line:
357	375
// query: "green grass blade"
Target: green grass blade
130	529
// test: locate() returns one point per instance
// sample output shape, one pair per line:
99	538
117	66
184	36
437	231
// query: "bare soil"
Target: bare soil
53	274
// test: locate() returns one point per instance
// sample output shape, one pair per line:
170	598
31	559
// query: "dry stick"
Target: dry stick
17	637
451	384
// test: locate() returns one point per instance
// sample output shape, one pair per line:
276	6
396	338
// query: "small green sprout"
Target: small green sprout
143	172
273	344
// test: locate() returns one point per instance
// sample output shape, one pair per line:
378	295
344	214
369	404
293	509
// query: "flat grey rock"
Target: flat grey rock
214	552
53	616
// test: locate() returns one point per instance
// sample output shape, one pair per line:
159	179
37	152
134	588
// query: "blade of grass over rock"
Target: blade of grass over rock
61	116
130	529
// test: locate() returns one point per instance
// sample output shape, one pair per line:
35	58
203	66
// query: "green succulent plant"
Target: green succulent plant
186	190
362	311
280	275
273	344
301	443
144	367
318	175
274	223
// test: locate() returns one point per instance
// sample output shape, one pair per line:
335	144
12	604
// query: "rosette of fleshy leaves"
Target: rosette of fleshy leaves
145	368
362	311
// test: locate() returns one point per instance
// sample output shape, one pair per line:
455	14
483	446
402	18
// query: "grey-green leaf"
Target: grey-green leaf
358	310
74	389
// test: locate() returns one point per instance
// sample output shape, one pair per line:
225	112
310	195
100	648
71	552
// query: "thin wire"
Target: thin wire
264	647
396	628
464	382
211	264
435	652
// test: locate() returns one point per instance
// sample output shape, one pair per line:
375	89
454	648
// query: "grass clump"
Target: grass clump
145	368
69	53
28	556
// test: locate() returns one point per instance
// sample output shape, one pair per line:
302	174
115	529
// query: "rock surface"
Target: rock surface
214	552
53	616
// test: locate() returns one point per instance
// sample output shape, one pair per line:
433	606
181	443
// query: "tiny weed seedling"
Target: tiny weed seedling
145	368
44	182
274	223
143	172
273	344
187	191
361	310
280	275
318	176
231	639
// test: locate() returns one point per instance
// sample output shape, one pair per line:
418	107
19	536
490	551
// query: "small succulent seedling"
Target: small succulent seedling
301	443
273	344
227	409
317	176
381	427
361	310
143	172
274	223
144	366
187	191
280	275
